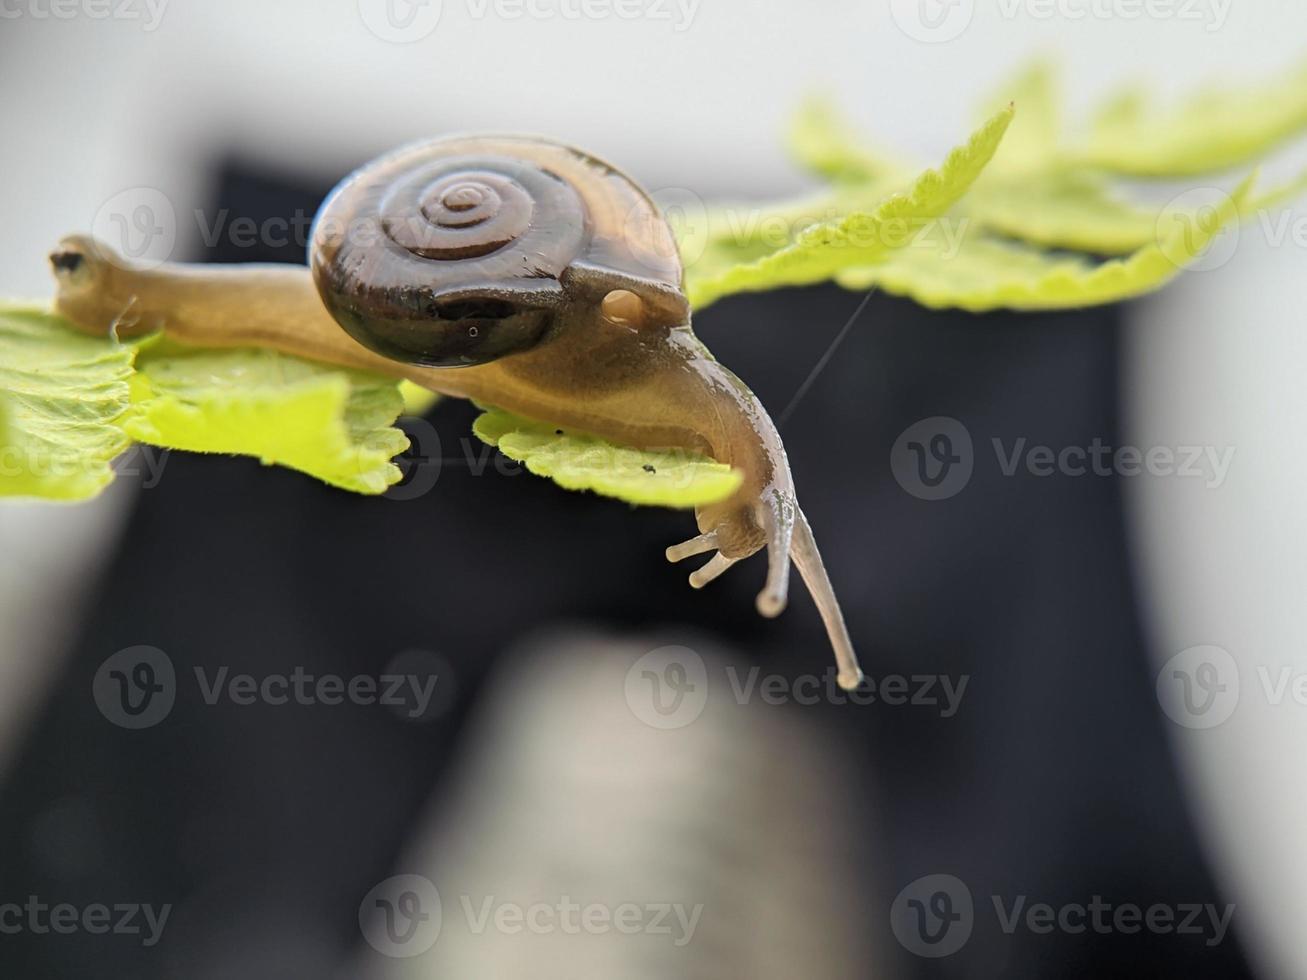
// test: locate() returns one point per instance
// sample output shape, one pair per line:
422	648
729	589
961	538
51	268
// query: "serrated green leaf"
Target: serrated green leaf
1216	130
982	274
1040	193
1032	192
578	461
327	422
63	397
1031	143
823	251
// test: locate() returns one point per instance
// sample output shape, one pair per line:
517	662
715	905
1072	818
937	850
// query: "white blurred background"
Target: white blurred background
699	98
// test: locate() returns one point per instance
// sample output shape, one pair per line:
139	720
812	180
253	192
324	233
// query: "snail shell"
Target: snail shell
460	251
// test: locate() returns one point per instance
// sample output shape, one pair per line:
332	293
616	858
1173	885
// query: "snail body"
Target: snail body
514	271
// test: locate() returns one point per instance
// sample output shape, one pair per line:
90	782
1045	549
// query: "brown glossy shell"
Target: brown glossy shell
459	251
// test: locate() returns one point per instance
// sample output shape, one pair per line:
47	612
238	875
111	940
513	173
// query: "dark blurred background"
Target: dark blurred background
802	829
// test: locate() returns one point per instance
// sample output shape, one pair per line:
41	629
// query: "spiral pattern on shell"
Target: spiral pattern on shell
457	252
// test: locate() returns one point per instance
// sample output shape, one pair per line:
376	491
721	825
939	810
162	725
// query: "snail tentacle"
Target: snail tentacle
777	511
808	560
711	570
697	545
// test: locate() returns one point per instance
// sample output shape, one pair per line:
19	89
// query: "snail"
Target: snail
513	271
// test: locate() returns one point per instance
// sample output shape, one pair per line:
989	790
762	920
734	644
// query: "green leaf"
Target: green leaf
63	397
1062	209
823	251
1216	130
982	273
823	141
1031	142
577	461
1039	192
324	421
417	400
1033	192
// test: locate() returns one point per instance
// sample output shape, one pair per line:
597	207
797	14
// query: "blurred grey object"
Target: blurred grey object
732	822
